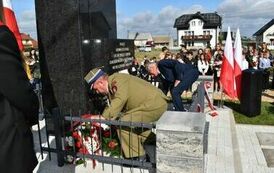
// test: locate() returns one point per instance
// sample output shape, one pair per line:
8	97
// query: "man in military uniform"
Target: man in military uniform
131	99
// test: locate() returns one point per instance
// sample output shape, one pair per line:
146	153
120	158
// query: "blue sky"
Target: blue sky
158	16
131	7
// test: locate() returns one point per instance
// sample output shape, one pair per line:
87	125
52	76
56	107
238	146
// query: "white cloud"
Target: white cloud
248	15
157	24
27	22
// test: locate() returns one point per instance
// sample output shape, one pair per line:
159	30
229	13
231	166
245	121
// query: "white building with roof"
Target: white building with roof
141	39
198	30
266	34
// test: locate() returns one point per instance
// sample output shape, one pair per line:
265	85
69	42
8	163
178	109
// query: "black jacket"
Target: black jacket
172	70
18	109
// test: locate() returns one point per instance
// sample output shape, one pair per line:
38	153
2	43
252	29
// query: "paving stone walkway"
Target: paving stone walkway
253	140
238	148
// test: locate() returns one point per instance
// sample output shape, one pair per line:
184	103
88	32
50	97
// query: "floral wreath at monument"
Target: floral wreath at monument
90	138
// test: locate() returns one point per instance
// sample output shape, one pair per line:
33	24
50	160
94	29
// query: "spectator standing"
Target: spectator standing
190	59
179	58
134	68
264	64
183	52
203	65
218	60
143	71
249	56
209	59
162	55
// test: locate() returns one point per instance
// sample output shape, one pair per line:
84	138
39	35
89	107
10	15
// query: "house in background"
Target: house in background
198	30
28	42
141	39
266	34
162	40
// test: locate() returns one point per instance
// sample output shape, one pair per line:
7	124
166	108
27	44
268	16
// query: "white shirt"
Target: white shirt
203	66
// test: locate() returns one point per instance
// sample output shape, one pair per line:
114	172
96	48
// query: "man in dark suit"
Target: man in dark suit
177	77
18	109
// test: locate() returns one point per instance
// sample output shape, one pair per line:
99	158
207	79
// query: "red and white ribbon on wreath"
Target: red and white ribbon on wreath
89	144
213	111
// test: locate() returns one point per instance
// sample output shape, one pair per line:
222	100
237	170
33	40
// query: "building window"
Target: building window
200	23
204	33
208	32
193	23
193	43
272	42
192	32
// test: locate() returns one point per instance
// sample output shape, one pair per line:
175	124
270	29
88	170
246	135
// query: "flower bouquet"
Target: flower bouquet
90	138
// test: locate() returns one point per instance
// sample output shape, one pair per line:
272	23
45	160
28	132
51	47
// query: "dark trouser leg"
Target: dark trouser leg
176	97
185	83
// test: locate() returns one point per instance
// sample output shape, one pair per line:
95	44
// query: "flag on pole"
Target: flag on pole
227	69
10	21
238	63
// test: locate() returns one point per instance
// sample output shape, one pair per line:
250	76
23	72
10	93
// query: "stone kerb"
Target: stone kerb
180	142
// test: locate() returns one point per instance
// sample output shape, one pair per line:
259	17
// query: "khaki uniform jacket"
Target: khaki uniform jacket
133	95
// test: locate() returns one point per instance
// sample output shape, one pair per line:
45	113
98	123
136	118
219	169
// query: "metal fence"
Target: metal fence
62	124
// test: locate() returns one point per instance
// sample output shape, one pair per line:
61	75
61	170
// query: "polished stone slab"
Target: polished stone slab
181	121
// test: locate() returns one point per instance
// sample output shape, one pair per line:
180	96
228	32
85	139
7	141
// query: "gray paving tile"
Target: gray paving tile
269	156
266	138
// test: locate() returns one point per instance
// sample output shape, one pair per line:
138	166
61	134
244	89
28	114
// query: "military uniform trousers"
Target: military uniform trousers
131	140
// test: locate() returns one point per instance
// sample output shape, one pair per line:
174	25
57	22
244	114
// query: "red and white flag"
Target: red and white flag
227	70
10	21
238	63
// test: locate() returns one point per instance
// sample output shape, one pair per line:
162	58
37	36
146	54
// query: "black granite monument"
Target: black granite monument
75	36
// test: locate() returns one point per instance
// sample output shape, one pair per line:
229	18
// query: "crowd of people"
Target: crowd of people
208	62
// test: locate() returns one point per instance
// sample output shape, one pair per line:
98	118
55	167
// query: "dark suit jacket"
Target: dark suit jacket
18	109
172	70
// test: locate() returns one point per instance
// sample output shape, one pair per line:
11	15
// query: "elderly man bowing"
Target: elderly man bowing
177	77
131	99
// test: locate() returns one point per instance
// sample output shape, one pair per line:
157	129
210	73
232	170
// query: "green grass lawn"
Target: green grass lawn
265	118
140	55
154	53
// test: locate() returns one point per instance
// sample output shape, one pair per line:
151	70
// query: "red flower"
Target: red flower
75	135
112	144
106	134
78	144
83	150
